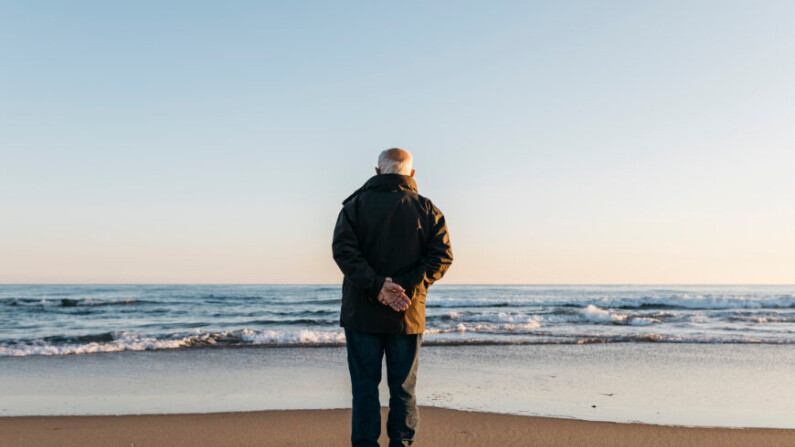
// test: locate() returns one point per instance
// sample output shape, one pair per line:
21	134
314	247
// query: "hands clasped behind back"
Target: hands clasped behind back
394	296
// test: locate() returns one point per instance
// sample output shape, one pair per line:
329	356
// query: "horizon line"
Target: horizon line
340	283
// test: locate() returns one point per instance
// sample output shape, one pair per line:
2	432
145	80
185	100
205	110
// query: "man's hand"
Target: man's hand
394	296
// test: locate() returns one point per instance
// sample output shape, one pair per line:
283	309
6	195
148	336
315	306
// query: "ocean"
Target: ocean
47	320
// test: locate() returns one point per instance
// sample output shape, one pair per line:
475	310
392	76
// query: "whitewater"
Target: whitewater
86	319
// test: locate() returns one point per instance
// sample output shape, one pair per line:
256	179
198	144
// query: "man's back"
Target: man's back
386	229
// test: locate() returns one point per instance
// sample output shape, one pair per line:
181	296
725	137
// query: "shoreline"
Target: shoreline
677	385
439	427
425	343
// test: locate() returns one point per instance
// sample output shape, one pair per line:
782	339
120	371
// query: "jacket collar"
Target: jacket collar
386	182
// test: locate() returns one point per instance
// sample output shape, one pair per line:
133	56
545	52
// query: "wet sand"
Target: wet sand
317	428
661	384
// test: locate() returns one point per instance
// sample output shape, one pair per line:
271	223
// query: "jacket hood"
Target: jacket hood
387	182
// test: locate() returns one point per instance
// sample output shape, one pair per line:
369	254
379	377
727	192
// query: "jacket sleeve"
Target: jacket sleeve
350	258
436	260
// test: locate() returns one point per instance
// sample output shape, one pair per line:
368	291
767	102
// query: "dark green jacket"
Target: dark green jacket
385	229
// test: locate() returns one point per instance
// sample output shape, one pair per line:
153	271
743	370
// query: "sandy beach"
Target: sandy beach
440	428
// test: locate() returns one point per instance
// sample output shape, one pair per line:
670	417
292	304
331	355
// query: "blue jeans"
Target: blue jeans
365	354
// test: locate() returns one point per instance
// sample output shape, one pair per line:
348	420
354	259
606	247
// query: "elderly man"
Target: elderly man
391	244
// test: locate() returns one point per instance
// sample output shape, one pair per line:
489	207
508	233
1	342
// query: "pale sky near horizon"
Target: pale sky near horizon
566	142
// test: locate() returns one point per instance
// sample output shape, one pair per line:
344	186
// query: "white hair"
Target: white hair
395	161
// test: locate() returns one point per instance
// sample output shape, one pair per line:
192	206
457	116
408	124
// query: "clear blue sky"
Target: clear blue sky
566	142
